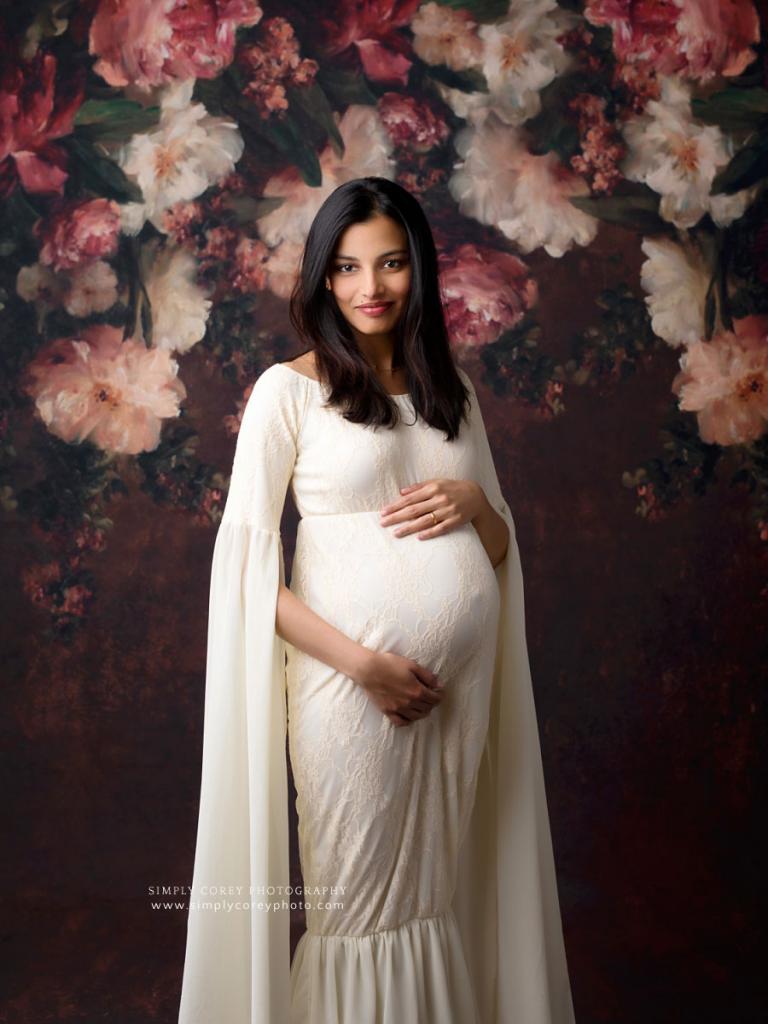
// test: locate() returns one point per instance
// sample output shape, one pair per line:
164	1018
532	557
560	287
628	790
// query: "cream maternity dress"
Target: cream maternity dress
425	849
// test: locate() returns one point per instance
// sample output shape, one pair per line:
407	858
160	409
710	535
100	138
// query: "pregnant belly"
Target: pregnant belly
434	600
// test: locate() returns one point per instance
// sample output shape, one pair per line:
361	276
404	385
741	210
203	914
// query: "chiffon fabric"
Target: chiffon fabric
429	882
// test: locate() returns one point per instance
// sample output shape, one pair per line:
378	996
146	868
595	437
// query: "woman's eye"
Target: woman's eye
342	267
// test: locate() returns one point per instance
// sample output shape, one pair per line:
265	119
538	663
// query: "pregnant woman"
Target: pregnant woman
395	664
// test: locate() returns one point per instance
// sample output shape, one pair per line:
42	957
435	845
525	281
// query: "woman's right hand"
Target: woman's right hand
399	687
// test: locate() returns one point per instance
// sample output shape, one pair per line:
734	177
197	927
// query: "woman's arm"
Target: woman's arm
402	689
296	623
492	530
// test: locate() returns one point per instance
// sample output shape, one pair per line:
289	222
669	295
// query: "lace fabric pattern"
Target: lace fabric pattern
382	809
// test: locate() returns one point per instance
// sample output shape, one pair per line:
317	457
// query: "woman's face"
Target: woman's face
371	266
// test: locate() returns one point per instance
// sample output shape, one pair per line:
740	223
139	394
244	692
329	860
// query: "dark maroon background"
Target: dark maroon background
647	646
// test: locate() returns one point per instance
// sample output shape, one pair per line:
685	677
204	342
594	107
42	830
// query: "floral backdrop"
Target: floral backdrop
594	173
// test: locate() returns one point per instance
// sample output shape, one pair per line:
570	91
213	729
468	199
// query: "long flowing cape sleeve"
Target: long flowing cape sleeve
506	901
237	962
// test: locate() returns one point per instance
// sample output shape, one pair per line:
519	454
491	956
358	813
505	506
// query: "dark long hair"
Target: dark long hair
421	345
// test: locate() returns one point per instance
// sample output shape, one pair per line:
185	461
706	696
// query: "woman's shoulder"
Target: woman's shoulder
304	365
277	401
282	380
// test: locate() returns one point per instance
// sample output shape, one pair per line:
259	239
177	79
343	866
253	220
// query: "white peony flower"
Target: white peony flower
676	279
679	159
520	56
179	307
368	149
282	268
187	152
38	283
525	196
442	35
92	288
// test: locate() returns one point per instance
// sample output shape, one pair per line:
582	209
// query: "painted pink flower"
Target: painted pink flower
601	145
485	292
227	193
717	36
79	232
35	110
272	64
182	220
89	537
39	579
76	599
372	27
220	244
233	421
412	124
100	388
143	43
725	382
249	272
696	38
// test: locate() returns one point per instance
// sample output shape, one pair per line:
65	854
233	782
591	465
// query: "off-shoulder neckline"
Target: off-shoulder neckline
319	383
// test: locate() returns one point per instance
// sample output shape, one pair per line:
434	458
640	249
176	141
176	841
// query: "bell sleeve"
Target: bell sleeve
237	962
506	900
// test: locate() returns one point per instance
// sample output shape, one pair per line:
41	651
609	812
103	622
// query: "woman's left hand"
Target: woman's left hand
453	502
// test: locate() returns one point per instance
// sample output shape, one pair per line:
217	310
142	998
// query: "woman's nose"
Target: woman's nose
371	285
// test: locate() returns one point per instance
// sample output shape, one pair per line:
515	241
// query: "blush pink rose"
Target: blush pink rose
696	38
725	382
412	123
79	233
485	292
144	43
98	387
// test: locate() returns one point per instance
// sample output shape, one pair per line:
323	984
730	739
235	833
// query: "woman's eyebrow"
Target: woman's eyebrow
392	252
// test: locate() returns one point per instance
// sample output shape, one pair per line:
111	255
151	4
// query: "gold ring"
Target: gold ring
434	519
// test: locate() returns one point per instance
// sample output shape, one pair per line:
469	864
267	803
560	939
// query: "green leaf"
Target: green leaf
555	126
732	108
637	212
247	209
481	10
283	134
114	120
314	113
709	312
344	87
209	92
98	173
748	166
470	80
